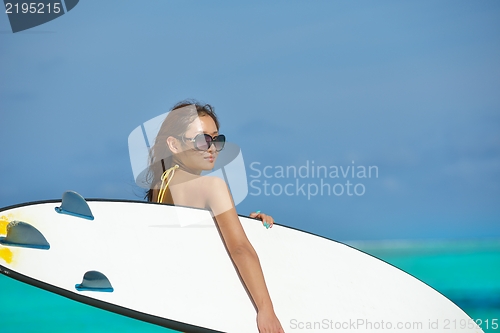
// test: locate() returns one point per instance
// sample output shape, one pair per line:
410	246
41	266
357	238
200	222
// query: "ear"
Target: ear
173	144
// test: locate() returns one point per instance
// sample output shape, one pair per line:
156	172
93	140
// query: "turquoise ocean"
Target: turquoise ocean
467	272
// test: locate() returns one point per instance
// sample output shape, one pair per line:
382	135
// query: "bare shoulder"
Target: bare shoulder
217	194
213	186
214	182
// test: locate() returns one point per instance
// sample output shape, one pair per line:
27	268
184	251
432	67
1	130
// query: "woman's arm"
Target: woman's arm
242	253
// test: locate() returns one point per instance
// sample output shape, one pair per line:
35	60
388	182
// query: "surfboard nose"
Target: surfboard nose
24	235
94	281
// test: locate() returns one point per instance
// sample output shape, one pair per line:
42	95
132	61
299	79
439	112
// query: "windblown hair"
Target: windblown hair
175	124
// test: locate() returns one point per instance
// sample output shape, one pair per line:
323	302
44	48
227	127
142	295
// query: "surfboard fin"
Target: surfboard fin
24	235
74	204
94	281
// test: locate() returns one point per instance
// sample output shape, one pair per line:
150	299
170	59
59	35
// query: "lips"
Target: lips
209	158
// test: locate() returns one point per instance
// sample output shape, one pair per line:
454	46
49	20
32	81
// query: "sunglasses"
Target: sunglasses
203	142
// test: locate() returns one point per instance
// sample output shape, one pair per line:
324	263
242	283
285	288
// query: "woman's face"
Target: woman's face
196	160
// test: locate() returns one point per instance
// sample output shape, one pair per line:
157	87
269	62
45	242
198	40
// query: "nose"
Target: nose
212	149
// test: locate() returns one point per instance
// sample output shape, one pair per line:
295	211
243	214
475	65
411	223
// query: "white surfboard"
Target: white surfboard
167	265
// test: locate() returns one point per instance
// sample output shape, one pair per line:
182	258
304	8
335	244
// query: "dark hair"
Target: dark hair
175	124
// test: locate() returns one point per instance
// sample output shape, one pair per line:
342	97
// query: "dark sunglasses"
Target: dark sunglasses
203	142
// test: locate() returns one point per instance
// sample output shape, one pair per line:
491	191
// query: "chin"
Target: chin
204	166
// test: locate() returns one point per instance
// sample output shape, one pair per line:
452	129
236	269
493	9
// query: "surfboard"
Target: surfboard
168	265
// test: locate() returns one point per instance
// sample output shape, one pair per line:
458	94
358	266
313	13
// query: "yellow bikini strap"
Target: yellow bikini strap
167	175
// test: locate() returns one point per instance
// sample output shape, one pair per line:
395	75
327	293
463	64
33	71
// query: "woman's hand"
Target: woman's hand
267	220
267	322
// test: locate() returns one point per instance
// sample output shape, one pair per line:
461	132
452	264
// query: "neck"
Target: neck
183	167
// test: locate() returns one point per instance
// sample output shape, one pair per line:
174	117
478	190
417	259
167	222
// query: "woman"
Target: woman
188	143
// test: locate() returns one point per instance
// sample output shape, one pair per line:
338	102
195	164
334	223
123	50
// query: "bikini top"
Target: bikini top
166	177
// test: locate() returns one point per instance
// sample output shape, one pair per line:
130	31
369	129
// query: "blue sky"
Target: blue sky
408	87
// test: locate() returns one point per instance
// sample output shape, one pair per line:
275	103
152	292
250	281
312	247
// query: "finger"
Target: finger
255	214
265	220
270	220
